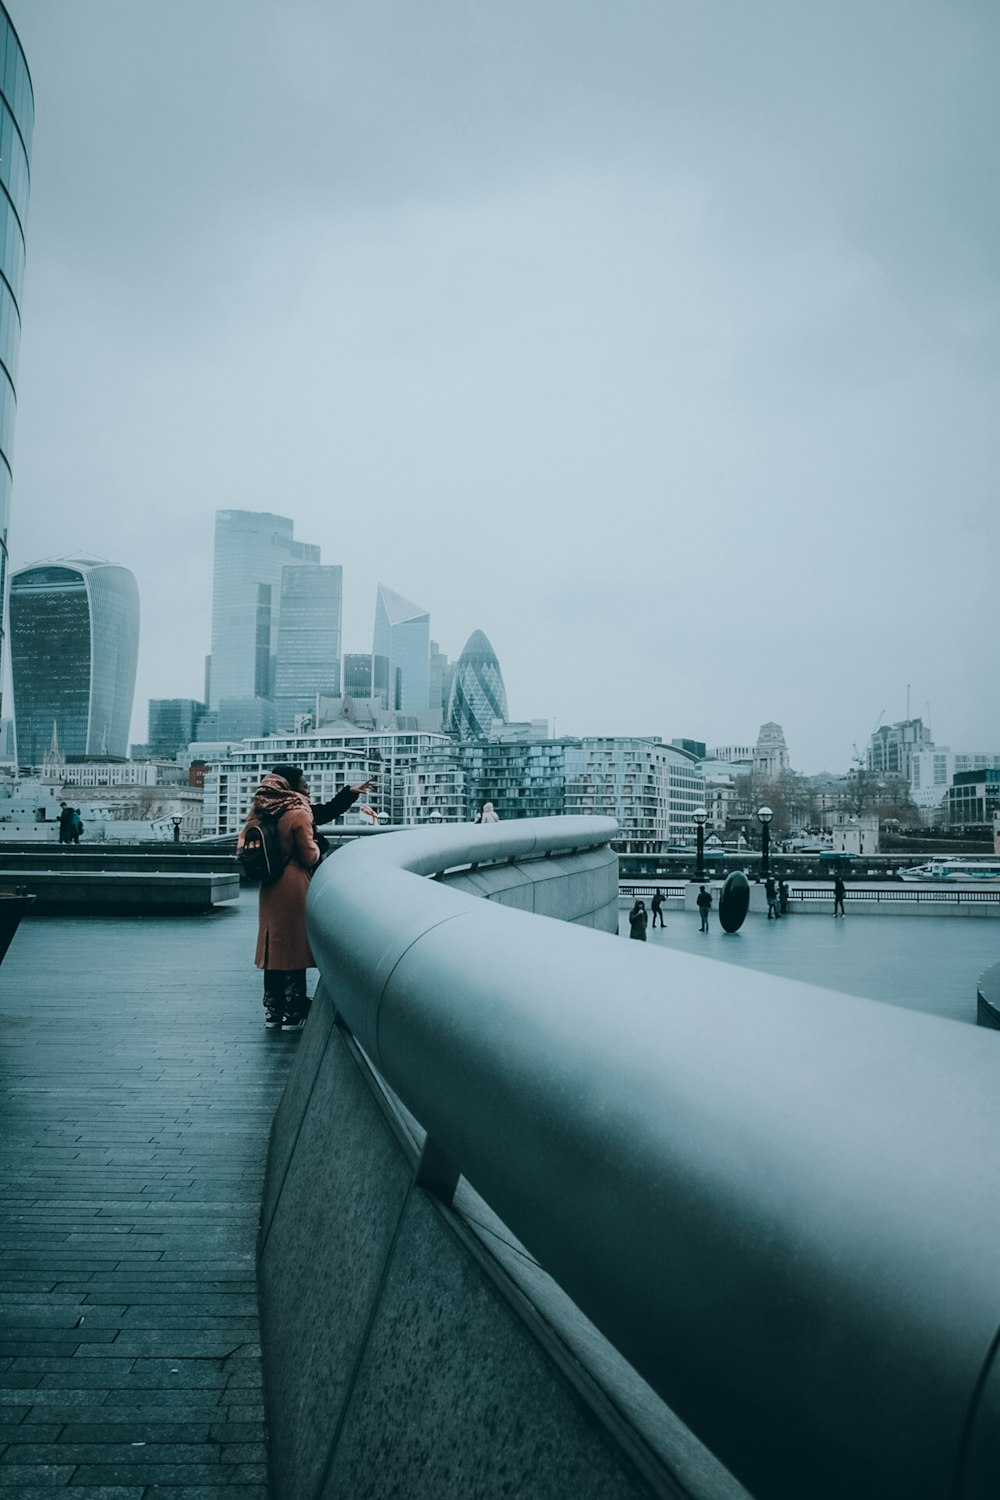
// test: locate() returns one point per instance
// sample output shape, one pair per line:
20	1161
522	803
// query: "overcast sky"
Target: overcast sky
660	340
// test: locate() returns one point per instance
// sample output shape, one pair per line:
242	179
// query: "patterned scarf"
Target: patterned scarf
274	796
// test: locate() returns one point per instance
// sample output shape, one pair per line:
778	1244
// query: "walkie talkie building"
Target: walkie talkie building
17	119
74	645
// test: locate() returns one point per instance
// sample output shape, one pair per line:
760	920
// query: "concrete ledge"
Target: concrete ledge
988	999
126	890
582	888
411	1348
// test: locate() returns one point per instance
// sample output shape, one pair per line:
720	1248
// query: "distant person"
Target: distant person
783	897
839	889
704	907
65	823
771	892
489	814
637	919
657	907
77	830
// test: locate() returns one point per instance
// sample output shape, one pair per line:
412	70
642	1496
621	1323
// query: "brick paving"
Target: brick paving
137	1087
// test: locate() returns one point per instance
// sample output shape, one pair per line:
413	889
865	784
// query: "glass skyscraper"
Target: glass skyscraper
252	548
478	695
17	119
403	636
309	625
74	643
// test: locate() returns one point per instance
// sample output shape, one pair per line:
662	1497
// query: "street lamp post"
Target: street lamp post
700	817
764	816
177	821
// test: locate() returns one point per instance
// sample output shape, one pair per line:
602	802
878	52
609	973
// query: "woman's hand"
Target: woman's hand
366	786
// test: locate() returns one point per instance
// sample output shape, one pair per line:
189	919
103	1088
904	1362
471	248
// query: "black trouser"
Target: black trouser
285	990
658	913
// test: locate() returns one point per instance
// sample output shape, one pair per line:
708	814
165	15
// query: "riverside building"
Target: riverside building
331	759
17	119
651	789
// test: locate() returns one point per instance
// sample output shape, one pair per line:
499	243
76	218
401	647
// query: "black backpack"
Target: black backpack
261	858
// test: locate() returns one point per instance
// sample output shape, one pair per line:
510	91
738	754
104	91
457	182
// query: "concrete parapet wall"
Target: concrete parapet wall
988	999
581	888
400	1357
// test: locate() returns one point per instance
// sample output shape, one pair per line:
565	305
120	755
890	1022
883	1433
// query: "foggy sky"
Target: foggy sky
658	340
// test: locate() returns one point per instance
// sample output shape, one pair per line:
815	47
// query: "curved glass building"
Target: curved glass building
17	119
478	695
74	644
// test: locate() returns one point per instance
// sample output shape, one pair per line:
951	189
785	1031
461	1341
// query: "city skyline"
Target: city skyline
678	377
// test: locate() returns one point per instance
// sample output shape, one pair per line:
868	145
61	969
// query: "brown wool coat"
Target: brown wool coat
281	929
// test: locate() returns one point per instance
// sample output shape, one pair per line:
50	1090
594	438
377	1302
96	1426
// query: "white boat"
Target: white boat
954	869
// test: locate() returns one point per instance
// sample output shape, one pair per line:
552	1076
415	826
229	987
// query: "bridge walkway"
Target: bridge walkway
137	1087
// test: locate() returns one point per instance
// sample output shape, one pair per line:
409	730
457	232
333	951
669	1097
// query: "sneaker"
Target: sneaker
272	1018
293	1023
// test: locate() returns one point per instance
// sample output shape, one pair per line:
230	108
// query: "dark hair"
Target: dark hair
292	774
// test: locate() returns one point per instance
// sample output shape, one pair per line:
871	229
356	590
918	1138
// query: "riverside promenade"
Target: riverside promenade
137	1088
920	963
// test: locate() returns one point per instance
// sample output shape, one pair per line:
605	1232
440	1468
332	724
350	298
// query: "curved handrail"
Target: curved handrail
781	1204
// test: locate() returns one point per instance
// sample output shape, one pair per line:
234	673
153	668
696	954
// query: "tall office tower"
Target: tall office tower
442	672
173	724
252	548
357	675
17	119
74	643
308	659
478	695
403	636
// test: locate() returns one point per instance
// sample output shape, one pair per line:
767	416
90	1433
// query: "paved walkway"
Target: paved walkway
920	963
137	1086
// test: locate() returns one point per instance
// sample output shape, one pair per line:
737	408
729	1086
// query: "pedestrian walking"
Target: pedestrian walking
771	892
657	907
704	906
281	807
76	832
488	814
637	919
783	897
839	889
65	823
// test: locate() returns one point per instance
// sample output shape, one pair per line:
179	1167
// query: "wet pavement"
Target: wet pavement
923	963
137	1088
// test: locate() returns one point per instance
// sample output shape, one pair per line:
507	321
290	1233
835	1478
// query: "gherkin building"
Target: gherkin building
478	695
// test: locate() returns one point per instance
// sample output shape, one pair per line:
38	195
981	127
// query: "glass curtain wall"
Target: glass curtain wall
17	120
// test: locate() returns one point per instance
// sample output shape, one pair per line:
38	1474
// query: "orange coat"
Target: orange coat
281	930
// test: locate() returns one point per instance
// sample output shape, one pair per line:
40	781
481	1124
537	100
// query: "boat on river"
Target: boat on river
954	869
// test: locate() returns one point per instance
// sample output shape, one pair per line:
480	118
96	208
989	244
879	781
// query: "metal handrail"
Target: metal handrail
781	1204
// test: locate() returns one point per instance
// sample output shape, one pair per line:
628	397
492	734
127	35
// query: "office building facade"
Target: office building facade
307	663
252	549
74	643
173	725
402	635
478	696
17	119
892	746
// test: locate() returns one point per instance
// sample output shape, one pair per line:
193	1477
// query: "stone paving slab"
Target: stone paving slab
137	1088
